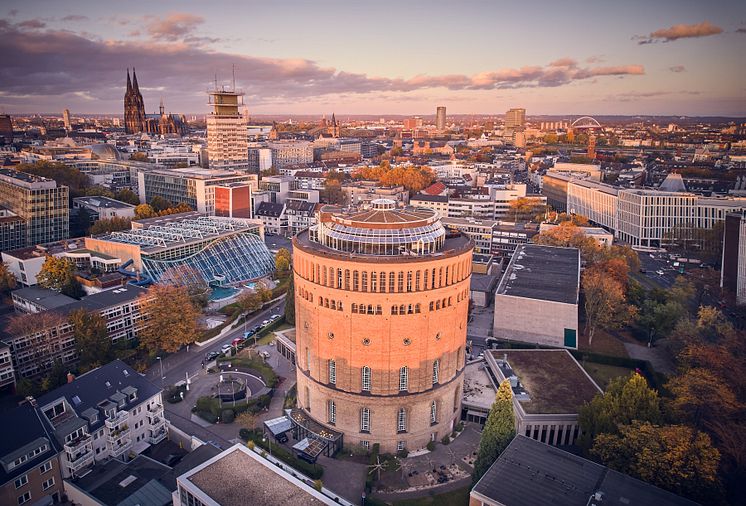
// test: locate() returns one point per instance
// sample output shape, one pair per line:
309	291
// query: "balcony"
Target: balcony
156	409
123	432
119	417
77	461
117	449
156	422
77	445
156	436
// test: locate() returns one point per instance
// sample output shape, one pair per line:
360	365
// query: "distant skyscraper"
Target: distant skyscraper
6	129
227	130
733	273
134	107
440	118
66	119
515	118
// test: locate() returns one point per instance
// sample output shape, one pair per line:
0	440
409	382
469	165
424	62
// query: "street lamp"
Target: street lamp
269	443
162	376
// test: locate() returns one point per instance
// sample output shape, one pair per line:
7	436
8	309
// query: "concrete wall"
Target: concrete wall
534	321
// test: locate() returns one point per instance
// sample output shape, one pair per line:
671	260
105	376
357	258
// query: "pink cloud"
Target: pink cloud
681	31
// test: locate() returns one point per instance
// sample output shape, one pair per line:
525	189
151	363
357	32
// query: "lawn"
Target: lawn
458	497
602	374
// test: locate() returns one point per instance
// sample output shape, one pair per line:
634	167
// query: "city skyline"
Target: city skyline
294	58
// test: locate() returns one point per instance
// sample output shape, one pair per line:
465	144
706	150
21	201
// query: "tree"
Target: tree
159	204
56	273
250	302
139	156
290	303
144	211
109	225
701	398
674	457
91	338
171	319
605	302
659	319
525	208
128	196
282	260
73	288
7	279
498	432
626	399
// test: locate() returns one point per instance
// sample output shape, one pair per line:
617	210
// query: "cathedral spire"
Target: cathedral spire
161	108
129	83
134	81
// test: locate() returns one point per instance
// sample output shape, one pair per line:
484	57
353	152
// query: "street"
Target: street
177	365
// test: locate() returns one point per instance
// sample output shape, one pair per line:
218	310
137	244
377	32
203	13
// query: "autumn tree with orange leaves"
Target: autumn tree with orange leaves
170	319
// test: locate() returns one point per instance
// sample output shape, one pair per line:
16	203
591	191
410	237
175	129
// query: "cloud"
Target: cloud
33	24
634	96
680	31
677	68
176	26
596	58
75	18
740	30
184	68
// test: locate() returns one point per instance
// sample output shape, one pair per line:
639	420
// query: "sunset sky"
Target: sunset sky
684	57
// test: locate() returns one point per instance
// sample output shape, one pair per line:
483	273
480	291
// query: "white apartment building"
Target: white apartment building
285	153
595	201
108	413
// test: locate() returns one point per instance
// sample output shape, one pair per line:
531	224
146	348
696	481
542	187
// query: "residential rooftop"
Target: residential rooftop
529	472
103	202
238	477
549	381
543	272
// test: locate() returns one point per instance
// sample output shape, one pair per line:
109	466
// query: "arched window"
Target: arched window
432	306
417	308
321	301
308	359
436	371
379	309
365	378
404	379
339	278
409	281
332	372
364	420
433	413
332	411
402	309
456	400
382	285
401	420
308	400
364	283
395	310
347	279
339	306
355	281
437	305
373	282
354	308
400	282
425	277
334	304
417	281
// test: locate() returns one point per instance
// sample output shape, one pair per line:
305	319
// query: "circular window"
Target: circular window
366	341
331	335
407	341
437	336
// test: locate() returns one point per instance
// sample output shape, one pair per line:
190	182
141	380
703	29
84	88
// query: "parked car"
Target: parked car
266	322
274	317
211	356
659	272
225	349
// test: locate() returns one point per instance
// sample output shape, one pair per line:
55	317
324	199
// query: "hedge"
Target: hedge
372	461
313	471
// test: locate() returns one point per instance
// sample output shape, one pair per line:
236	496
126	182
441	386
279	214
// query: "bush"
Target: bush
207	408
431	446
446	440
227	416
402	454
372	461
245	434
317	484
454	434
459	426
173	395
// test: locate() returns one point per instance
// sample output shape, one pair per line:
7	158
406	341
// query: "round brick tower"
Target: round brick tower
381	298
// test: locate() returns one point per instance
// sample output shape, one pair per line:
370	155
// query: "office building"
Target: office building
233	200
549	389
537	298
515	119
289	153
41	203
507	236
66	119
111	412
6	129
190	248
382	296
733	272
528	473
104	208
7	373
29	458
34	353
440	119
193	186
227	130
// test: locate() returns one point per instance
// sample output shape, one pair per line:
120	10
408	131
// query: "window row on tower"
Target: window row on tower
366	376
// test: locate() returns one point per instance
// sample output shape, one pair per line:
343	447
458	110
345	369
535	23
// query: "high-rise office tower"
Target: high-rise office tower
382	300
440	118
66	119
227	130
6	129
39	202
515	119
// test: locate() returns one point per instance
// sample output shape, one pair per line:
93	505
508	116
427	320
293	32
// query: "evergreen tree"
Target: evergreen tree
498	431
290	304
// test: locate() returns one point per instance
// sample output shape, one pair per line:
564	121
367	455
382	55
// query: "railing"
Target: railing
118	449
76	444
80	461
156	409
157	436
156	422
119	417
123	432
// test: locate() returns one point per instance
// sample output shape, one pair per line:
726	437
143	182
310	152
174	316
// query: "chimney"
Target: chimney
70	377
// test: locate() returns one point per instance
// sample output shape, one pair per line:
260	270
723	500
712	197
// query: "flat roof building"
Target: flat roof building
104	208
529	473
537	298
